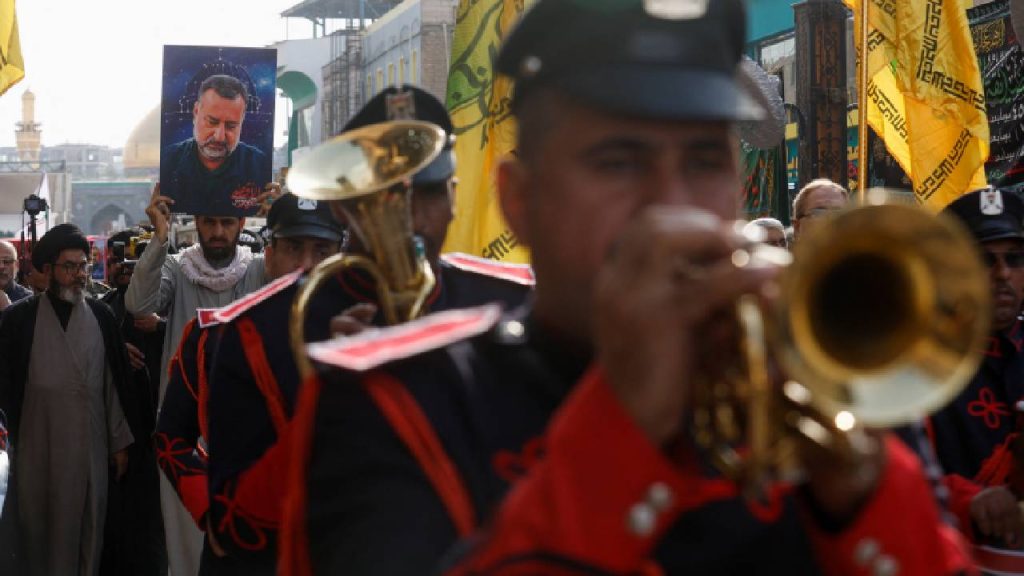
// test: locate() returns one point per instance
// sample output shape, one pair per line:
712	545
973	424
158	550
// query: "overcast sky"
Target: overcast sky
94	66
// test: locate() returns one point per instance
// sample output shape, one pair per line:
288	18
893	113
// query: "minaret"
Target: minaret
28	133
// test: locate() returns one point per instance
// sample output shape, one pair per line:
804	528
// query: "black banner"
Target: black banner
1002	69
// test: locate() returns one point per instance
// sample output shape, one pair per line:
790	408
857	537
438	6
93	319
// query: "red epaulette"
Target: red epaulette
378	346
212	316
518	273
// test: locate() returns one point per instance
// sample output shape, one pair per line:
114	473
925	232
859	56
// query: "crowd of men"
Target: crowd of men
535	420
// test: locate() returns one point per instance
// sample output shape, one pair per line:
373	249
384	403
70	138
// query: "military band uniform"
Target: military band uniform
495	442
180	452
181	431
974	436
535	442
255	383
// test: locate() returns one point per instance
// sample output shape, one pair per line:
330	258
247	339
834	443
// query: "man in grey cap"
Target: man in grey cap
552	439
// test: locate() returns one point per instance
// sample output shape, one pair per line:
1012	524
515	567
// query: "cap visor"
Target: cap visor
663	92
309	231
439	170
998	233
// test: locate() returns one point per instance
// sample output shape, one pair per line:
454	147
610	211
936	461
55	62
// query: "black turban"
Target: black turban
59	238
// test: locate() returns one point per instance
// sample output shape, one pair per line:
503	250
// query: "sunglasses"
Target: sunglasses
1011	259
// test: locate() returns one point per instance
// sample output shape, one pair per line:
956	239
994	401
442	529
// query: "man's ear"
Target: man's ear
195	111
241	222
513	188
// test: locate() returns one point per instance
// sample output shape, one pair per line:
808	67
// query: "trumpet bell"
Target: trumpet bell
885	315
366	160
369	172
881	319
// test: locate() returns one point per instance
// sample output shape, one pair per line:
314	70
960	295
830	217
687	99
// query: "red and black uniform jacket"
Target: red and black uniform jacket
254	385
181	428
500	451
974	434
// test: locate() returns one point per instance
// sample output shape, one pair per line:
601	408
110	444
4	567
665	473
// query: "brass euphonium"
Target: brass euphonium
369	171
881	319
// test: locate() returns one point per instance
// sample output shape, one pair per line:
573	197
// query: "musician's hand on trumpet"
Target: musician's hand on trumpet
837	484
665	321
657	298
353	320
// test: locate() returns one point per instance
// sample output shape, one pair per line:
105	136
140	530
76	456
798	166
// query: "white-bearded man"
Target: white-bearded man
63	382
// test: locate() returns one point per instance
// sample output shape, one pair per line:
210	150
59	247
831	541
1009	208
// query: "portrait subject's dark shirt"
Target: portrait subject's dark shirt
230	190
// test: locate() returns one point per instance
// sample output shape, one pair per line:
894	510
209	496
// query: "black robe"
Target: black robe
17	330
133	535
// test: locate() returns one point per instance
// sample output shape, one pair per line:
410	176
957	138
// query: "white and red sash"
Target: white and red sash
518	273
377	346
207	317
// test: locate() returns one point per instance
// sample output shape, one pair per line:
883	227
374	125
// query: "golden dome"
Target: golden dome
142	149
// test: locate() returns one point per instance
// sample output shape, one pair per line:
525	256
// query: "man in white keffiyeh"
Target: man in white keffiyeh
212	274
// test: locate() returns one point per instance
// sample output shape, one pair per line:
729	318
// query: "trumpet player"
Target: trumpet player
551	439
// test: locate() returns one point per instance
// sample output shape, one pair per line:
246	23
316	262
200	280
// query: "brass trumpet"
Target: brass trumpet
369	171
882	319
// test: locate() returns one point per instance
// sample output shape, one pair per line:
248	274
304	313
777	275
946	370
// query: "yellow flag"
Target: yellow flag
479	103
925	95
12	66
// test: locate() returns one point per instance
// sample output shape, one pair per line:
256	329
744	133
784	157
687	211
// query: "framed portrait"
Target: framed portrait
217	128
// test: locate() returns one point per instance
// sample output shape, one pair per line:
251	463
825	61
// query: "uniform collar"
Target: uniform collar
1005	343
358	283
566	360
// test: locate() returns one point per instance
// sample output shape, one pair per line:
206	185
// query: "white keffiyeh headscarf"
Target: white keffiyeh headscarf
198	270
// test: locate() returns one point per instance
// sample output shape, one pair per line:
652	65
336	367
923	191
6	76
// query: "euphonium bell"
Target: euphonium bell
882	318
369	171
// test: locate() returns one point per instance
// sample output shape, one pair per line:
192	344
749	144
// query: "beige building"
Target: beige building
374	44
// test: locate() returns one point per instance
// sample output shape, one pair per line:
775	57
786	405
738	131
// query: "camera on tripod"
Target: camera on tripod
33	205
